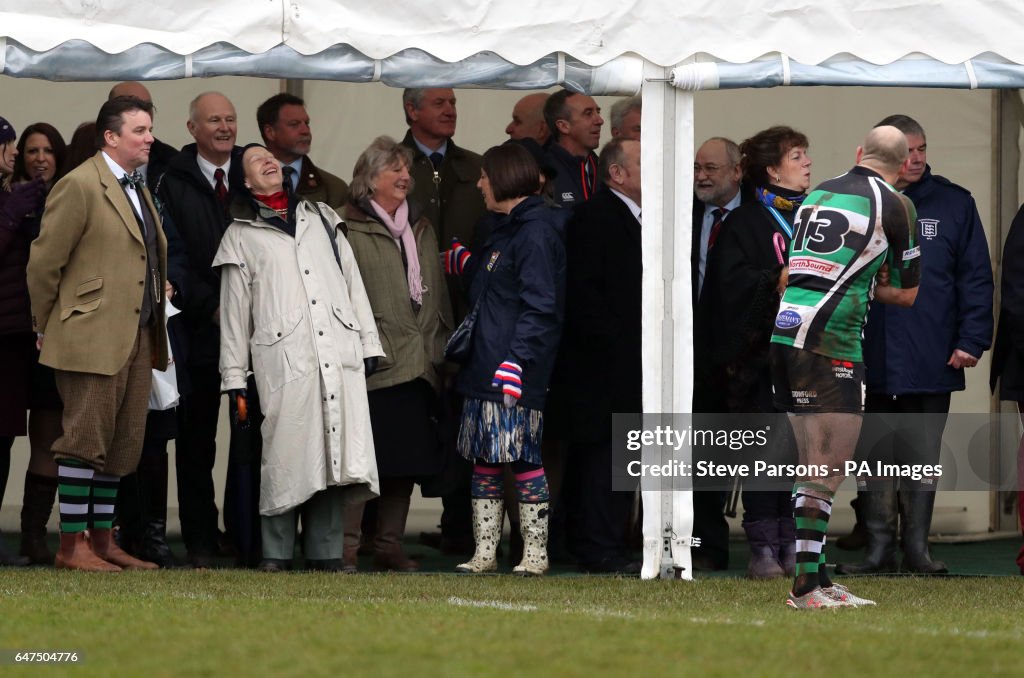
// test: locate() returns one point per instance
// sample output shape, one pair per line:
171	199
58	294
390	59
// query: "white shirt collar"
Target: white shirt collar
731	205
114	167
133	195
633	207
208	168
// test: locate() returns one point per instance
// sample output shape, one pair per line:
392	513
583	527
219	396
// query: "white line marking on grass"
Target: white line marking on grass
727	622
495	604
979	634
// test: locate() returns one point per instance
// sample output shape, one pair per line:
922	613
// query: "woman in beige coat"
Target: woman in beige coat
397	250
292	296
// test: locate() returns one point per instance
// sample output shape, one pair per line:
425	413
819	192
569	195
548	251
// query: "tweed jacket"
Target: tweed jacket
87	272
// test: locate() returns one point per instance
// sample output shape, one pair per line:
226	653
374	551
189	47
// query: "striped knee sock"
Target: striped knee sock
532	487
74	486
488	482
812	507
104	499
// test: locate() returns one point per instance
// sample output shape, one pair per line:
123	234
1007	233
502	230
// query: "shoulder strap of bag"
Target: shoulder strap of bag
331	233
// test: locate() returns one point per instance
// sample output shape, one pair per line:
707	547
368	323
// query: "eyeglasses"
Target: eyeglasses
709	169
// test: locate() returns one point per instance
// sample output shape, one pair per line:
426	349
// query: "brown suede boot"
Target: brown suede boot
75	554
104	546
35	513
392	510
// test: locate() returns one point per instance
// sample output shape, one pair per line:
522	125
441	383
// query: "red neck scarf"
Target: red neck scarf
277	202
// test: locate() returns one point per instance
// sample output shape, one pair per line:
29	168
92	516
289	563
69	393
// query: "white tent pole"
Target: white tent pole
666	160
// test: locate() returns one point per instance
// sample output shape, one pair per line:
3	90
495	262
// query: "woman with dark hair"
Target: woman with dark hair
396	248
746	274
293	306
34	167
41	153
516	283
17	340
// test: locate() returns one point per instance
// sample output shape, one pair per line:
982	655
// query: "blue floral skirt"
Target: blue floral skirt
499	434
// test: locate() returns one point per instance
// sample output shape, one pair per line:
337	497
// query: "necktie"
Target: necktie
289	172
219	188
719	216
133	180
436	159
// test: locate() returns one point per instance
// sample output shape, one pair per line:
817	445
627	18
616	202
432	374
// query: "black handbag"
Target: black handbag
460	343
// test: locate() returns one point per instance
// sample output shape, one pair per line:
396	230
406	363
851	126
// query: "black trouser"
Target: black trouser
912	439
602	514
196	452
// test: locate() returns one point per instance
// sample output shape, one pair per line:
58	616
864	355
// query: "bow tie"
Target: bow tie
133	180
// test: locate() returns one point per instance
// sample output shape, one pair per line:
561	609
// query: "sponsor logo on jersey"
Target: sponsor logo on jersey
567	196
814	266
929	228
788	319
912	253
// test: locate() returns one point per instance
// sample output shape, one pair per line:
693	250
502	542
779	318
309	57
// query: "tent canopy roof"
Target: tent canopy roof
664	32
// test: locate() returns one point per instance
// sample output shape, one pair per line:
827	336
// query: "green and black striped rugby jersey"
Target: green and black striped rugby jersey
843	233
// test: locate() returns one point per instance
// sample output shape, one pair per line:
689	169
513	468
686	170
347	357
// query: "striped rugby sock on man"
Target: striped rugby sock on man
74	492
812	508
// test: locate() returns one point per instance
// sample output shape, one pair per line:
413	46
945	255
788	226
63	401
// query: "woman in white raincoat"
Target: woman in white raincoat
293	299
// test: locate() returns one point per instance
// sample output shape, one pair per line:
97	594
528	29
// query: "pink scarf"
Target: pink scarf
400	230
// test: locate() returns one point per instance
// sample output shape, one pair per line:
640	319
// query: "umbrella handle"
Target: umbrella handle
780	246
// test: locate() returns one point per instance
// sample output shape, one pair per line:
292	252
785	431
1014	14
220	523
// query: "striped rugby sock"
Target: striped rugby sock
74	486
104	499
812	508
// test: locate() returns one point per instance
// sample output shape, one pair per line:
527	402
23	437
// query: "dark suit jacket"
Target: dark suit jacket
160	155
317	185
603	310
746	196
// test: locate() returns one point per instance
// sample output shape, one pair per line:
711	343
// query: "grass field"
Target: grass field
229	622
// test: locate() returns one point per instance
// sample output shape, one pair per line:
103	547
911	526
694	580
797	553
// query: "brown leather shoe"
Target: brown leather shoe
75	554
104	546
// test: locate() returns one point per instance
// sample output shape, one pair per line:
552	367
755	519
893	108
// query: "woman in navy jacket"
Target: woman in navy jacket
517	276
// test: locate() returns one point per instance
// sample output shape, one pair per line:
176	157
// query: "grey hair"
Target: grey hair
382	153
414	96
622	107
194	104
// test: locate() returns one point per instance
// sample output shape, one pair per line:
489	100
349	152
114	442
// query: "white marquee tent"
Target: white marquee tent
665	48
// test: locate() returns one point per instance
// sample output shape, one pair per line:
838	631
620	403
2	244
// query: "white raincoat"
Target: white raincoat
308	326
